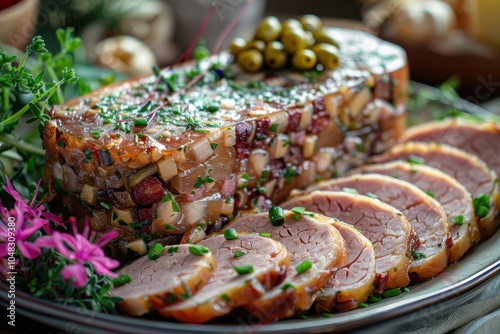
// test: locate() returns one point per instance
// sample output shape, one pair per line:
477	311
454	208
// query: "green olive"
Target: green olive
328	55
250	60
256	45
310	39
304	59
275	55
236	45
294	40
269	29
311	22
290	24
322	36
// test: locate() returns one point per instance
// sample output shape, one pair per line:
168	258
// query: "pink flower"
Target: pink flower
81	249
18	224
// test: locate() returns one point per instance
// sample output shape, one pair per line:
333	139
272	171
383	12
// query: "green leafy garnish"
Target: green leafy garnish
482	205
198	250
244	269
304	266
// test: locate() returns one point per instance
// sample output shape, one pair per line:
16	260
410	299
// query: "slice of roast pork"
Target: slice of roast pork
155	283
468	169
317	250
481	139
387	229
455	199
247	267
424	213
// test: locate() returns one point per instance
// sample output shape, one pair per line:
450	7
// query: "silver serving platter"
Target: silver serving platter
459	283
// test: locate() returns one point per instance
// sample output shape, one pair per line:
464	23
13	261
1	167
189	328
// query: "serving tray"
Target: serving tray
456	285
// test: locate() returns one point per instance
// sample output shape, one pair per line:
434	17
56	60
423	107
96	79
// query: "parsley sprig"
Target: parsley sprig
29	84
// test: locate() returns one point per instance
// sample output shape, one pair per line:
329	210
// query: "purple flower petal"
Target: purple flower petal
28	249
77	272
106	238
102	266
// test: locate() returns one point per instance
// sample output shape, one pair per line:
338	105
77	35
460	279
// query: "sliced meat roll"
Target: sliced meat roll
467	169
455	199
157	282
247	267
481	139
351	284
388	230
423	212
317	249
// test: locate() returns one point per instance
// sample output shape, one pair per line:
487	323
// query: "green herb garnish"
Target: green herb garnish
244	269
391	292
417	255
482	205
457	220
276	216
304	266
198	250
230	234
238	253
416	160
155	251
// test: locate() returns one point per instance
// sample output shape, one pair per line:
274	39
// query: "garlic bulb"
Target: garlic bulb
420	21
125	54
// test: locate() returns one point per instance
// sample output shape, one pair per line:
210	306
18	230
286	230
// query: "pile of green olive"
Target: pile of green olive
302	43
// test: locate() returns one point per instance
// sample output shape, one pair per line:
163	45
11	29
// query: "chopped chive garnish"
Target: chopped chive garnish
326	315
276	216
304	266
154	252
287	285
298	210
482	205
375	298
274	127
209	179
213	146
168	227
430	193
212	108
105	205
349	190
238	254
95	133
243	269
198	250
363	305
225	297
482	212
391	292
265	234
457	220
406	289
140	122
173	249
230	234
416	255
372	195
88	154
60	143
121	280
199	182
416	160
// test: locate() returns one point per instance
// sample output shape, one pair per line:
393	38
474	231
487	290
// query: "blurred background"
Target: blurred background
444	39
